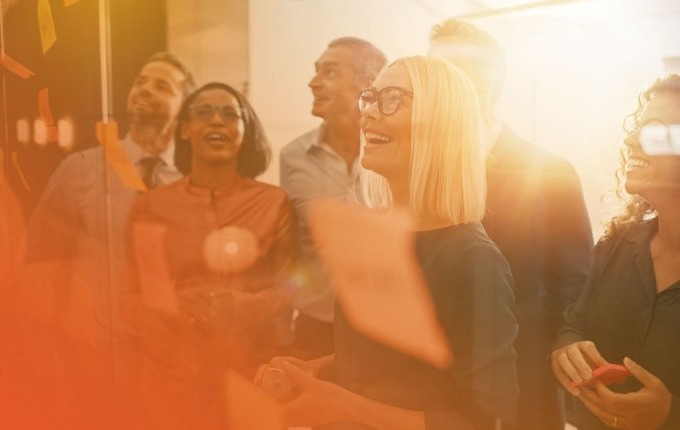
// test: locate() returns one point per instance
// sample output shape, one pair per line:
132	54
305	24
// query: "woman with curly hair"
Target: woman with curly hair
629	311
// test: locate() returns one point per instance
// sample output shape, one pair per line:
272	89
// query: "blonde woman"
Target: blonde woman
421	132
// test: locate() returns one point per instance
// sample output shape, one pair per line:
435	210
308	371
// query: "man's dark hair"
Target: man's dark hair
166	57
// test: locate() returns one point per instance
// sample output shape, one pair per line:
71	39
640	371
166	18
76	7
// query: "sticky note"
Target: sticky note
371	261
46	25
250	408
107	135
158	291
46	114
15	67
17	168
11	232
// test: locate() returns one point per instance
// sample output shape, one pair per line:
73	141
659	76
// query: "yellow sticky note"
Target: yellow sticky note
46	114
250	408
20	172
372	264
46	25
107	135
15	67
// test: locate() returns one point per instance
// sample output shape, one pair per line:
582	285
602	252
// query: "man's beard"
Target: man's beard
149	120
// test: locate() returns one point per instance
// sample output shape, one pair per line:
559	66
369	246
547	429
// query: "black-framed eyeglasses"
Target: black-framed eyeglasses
389	99
205	112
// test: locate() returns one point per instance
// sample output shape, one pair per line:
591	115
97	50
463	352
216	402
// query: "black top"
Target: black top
621	312
538	218
471	286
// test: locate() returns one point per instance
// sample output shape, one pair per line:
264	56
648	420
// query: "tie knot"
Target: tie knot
147	166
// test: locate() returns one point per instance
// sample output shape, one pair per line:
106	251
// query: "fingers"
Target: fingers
573	363
560	369
277	362
592	355
299	377
257	380
647	379
591	400
577	363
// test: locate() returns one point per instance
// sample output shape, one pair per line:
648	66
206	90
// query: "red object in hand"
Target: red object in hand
607	374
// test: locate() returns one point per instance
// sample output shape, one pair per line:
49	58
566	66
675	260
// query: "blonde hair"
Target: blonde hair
447	176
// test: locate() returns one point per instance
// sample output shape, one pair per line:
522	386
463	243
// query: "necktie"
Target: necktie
147	165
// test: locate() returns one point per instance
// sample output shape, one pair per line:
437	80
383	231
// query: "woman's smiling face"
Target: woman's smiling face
647	175
387	138
214	127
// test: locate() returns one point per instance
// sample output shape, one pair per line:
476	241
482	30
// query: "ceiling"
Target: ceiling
502	9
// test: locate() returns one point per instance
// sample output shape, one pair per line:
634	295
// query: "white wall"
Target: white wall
211	38
575	72
287	37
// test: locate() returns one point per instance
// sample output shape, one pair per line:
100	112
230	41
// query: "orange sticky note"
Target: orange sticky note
11	233
107	135
46	114
249	408
158	290
371	261
15	67
68	3
17	168
46	25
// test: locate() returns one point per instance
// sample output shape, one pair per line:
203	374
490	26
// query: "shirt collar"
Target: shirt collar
136	152
315	139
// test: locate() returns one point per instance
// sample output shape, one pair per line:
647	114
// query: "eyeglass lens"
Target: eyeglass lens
388	99
207	111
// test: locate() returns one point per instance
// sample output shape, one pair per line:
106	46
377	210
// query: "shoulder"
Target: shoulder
529	155
86	158
77	172
464	242
636	234
300	144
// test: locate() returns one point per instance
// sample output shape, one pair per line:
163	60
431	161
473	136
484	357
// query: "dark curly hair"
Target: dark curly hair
636	209
253	157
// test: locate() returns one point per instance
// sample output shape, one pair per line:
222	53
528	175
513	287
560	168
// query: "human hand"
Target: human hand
318	403
312	367
645	409
207	308
574	363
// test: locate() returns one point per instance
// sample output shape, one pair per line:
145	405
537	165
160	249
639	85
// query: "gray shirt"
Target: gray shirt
311	169
70	230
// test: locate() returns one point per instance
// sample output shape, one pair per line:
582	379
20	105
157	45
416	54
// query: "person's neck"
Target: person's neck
151	139
343	136
213	177
668	234
401	200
